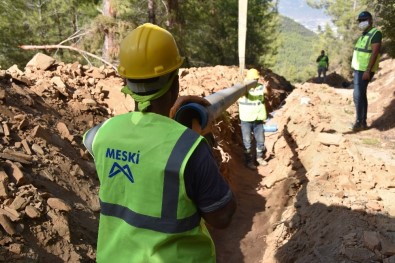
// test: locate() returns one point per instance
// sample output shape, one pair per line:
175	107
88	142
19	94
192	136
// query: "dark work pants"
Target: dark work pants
255	127
322	71
360	96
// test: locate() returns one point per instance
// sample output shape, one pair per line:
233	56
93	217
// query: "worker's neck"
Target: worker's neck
156	108
368	29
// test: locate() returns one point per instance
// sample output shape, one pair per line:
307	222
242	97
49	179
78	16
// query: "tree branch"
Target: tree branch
76	34
82	52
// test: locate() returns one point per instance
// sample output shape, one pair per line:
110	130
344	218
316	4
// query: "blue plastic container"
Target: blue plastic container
270	127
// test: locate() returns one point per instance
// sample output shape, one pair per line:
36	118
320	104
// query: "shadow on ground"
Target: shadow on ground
239	242
322	233
333	80
386	121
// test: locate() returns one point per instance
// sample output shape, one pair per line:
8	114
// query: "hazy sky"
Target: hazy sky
299	11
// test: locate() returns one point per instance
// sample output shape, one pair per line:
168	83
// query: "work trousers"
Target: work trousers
322	71
255	127
360	96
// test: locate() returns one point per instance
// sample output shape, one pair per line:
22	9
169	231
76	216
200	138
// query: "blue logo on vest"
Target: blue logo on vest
116	169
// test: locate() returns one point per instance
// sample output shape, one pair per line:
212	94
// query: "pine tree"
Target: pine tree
40	22
206	31
210	37
385	14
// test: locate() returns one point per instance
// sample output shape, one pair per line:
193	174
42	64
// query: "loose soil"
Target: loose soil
326	194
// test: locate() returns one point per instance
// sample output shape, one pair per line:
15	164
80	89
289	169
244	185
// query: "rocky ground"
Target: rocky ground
326	195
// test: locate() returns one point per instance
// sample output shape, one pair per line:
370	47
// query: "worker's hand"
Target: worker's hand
182	100
366	75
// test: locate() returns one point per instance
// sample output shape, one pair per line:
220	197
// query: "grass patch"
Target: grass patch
348	111
371	141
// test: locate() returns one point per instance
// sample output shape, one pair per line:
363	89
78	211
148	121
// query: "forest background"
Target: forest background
89	31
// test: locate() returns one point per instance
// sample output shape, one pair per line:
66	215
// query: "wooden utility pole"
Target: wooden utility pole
243	6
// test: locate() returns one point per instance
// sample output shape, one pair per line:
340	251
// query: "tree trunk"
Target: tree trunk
173	19
109	49
151	12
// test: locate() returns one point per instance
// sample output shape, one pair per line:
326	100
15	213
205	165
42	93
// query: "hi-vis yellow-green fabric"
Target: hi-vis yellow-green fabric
146	215
363	51
322	63
252	107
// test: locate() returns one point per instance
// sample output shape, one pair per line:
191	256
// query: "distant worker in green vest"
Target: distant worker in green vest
323	65
365	62
252	114
159	180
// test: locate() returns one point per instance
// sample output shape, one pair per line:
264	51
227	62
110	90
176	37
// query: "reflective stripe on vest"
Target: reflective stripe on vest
249	103
363	51
168	223
252	106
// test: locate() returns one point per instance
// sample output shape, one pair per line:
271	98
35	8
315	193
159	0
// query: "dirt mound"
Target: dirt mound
382	97
342	209
48	183
334	80
49	196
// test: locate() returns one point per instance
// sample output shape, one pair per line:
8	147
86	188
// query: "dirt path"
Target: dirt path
244	241
324	197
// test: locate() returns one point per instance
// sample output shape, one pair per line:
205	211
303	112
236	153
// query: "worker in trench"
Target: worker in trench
252	114
159	180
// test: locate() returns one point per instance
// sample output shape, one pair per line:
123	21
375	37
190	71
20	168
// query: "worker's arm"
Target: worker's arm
375	52
221	218
208	189
267	89
89	136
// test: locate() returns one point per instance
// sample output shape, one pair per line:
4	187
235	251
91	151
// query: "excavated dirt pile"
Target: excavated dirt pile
325	196
48	185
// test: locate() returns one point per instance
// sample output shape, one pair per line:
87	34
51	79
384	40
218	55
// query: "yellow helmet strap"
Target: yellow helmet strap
144	100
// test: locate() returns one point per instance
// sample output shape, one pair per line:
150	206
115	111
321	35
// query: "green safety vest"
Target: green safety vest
252	107
322	63
363	51
146	215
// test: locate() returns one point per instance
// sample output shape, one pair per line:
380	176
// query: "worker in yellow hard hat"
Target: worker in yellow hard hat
159	181
252	114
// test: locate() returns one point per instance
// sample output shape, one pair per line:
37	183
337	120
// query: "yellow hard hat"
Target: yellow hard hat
148	51
252	74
